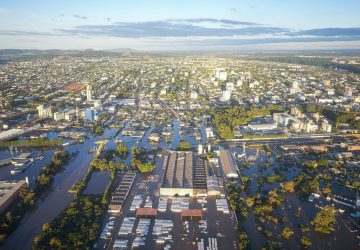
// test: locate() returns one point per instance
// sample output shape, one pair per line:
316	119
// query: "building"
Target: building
119	196
289	121
209	132
58	116
226	95
90	115
9	192
11	134
193	94
262	126
89	93
44	112
183	175
345	194
348	91
221	74
228	164
213	188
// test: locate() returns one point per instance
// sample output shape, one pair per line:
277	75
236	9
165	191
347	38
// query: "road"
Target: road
290	140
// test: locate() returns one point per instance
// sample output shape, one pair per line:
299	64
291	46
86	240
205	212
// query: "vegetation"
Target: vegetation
324	220
47	174
76	228
139	161
184	146
237	204
97	130
37	142
122	149
79	225
314	61
227	118
305	242
243	240
11	219
287	233
289	186
337	117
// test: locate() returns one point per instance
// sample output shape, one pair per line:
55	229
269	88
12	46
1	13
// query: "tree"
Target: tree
122	149
250	201
44	180
305	242
27	196
287	233
243	240
324	220
145	167
289	186
184	146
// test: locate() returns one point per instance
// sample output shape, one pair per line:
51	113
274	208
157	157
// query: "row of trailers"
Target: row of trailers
119	196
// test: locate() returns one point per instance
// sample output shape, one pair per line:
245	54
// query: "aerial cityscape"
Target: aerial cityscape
182	125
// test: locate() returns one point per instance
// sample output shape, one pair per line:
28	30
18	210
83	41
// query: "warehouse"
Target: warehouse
181	176
228	164
119	196
9	192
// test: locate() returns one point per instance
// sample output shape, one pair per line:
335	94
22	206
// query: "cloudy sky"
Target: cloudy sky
180	25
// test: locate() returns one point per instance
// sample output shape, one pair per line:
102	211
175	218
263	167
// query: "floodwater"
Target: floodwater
98	183
341	238
56	200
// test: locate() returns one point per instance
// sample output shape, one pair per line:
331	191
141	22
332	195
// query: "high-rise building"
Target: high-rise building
88	92
90	115
221	74
226	95
348	91
44	112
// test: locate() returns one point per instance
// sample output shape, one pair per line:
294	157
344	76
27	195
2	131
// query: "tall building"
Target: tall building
226	95
88	92
221	74
348	91
90	115
44	112
294	88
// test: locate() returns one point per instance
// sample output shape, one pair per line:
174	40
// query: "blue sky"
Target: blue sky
180	25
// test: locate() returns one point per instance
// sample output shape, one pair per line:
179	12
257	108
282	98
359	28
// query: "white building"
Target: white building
331	92
58	116
239	83
193	94
88	93
229	86
209	132
348	91
44	112
221	74
289	121
226	95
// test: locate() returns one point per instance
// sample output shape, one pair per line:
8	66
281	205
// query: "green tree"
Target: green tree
184	146
243	240
324	220
305	242
27	196
287	233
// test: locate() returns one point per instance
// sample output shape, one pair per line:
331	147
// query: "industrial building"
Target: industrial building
119	196
183	175
9	192
228	164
